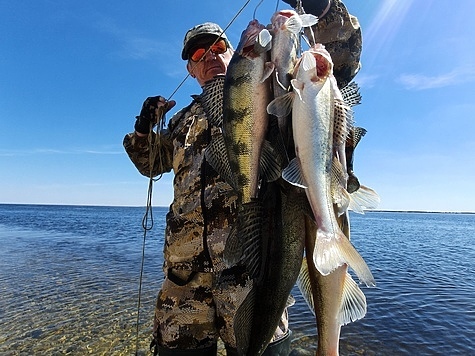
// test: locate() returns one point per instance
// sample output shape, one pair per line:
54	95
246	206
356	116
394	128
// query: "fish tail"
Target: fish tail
333	250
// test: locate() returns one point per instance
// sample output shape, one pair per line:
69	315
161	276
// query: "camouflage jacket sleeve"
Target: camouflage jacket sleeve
139	149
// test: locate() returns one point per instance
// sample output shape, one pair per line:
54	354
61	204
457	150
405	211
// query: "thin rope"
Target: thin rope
153	151
257	6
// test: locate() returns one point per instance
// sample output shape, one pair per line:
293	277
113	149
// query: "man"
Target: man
193	310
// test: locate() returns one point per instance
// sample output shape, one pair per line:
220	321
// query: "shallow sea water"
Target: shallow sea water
69	279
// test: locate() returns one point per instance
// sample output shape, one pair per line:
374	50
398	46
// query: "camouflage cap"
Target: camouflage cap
199	31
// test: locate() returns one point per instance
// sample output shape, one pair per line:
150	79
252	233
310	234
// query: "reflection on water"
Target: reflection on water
69	280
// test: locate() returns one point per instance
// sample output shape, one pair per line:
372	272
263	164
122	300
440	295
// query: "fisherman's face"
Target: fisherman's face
205	65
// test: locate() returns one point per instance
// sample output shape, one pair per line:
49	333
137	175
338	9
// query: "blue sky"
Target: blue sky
75	74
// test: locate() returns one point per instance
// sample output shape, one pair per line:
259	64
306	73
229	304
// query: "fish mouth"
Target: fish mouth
248	38
279	18
324	61
324	67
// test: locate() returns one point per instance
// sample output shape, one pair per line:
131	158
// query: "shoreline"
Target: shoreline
166	207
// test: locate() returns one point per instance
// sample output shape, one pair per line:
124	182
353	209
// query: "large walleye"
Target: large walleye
247	161
315	126
242	156
245	120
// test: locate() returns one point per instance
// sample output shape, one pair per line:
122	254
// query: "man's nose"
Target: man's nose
210	55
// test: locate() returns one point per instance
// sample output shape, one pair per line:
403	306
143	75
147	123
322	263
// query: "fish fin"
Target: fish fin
298	87
343	122
334	250
342	200
308	20
340	196
232	253
351	94
263	41
353	304
290	301
243	322
249	229
278	81
294	24
338	174
281	106
269	68
270	162
358	133
217	157
305	285
293	174
363	198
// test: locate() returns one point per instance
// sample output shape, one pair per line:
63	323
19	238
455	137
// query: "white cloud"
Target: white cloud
133	45
366	80
423	82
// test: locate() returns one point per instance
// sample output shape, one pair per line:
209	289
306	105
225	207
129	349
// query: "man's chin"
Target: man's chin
214	72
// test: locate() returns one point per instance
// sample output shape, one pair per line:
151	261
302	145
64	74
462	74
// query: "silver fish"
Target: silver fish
313	124
286	26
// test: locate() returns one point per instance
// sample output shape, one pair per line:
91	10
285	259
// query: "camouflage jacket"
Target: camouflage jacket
203	209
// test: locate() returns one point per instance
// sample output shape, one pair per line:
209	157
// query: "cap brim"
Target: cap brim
192	42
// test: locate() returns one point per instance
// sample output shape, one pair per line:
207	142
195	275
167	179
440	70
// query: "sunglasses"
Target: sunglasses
217	48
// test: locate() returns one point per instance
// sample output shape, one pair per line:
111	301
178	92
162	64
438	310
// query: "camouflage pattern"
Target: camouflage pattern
194	313
203	207
340	32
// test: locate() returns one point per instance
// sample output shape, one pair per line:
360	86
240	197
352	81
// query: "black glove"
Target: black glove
314	7
148	114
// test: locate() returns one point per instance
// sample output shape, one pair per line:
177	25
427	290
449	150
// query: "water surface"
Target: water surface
69	279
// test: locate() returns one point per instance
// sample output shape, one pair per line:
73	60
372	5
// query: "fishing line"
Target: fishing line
154	144
257	6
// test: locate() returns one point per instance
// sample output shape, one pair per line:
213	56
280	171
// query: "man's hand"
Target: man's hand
153	108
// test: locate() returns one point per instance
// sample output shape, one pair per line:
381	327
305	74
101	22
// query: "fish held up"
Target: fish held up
320	122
